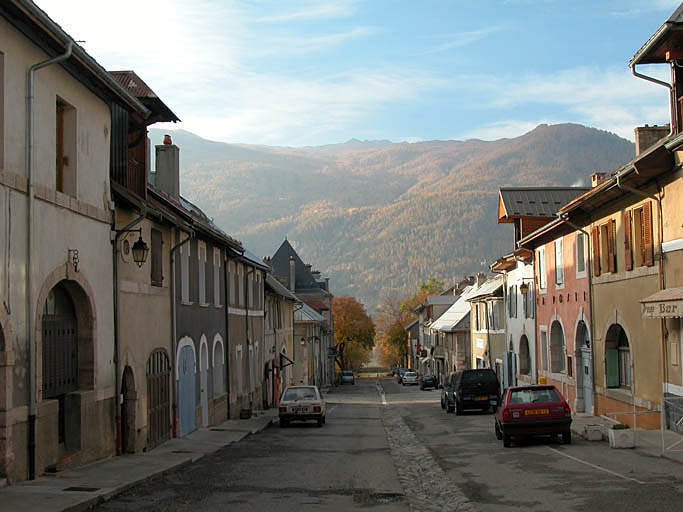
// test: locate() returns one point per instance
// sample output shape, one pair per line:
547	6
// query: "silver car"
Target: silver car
409	378
301	403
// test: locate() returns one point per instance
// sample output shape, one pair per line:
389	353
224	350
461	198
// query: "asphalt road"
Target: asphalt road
388	447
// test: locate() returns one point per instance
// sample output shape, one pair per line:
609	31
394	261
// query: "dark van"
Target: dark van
471	389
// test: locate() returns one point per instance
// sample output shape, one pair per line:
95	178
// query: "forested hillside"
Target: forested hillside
378	217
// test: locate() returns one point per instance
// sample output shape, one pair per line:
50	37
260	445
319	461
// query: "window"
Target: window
512	301
216	276
617	358
231	280
240	284
218	368
476	317
238	368
559	262
65	148
157	265
557	348
580	253
202	272
524	356
544	348
638	240
2	110
528	303
604	255
185	272
540	258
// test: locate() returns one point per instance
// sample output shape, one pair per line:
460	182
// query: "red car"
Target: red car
527	411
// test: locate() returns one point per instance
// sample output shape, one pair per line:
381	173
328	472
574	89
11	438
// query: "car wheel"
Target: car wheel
567	437
323	420
507	442
499	434
458	409
443	405
450	408
320	422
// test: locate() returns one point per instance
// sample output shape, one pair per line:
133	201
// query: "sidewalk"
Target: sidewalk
83	487
648	442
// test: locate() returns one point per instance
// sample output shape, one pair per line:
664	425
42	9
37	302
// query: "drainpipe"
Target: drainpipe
658	82
662	286
174	341
589	273
226	355
116	235
33	392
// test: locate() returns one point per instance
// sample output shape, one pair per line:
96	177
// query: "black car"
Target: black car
471	389
429	381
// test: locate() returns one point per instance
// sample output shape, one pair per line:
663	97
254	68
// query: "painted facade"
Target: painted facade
487	324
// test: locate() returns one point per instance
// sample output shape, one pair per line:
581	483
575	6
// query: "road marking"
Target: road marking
598	467
380	390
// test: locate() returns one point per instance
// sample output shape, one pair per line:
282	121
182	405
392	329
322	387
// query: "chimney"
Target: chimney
481	278
292	274
168	168
648	136
597	178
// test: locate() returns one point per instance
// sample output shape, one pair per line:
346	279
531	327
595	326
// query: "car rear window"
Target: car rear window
300	394
530	396
487	377
410	374
348	373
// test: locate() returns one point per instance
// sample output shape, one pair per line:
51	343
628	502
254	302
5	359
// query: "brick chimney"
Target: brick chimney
647	136
597	178
481	278
168	168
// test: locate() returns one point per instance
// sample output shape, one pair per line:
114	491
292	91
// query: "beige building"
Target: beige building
57	405
278	337
488	325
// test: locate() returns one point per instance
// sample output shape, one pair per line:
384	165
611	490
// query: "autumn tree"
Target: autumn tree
353	327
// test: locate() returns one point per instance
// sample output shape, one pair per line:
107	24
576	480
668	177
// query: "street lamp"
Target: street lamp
140	251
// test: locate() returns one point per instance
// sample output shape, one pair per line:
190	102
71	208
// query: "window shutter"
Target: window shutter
648	249
611	240
595	251
628	246
612	367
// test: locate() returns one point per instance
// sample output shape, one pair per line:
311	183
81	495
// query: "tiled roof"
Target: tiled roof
535	201
136	86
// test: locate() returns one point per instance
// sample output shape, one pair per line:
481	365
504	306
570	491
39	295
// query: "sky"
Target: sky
306	73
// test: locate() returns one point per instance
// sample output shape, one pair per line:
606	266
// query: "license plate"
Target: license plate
533	412
493	402
299	409
481	398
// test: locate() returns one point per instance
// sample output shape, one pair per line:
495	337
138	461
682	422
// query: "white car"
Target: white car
301	403
409	378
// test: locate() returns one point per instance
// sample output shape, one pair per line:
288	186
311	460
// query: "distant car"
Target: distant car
301	403
399	374
429	381
471	389
348	377
527	411
409	377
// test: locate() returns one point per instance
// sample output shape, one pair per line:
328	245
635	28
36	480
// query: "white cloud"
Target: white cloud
311	11
453	41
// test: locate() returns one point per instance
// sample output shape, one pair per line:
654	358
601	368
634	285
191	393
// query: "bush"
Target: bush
620	426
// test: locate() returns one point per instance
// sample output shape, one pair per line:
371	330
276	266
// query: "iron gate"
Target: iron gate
60	355
158	399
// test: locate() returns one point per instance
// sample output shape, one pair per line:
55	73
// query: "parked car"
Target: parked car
537	410
429	381
409	377
399	374
471	389
347	377
301	403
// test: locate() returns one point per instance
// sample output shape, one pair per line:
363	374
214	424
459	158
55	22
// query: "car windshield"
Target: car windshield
348	373
293	394
530	396
487	377
410	374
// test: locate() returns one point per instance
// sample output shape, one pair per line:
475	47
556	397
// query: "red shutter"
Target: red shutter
595	251
628	250
611	239
648	248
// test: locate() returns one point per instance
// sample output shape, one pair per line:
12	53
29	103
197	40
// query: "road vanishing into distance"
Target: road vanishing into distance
386	447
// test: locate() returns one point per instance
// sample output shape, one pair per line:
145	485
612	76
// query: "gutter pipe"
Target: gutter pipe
658	82
115	236
30	136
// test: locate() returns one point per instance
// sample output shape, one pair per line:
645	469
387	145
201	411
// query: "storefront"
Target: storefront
667	306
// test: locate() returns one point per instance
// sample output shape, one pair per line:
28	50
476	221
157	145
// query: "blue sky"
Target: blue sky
301	73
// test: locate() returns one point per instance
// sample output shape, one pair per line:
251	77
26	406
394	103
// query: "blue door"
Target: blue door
186	390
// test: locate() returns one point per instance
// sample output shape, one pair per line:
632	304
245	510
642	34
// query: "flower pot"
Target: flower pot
592	432
621	438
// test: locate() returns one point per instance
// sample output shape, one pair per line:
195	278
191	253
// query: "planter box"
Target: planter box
621	438
592	433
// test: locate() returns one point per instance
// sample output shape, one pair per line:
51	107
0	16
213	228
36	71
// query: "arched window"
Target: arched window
556	347
618	356
524	356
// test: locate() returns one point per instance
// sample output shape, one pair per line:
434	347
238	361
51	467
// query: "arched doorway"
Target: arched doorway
524	356
618	358
556	347
585	377
187	371
158	399
128	407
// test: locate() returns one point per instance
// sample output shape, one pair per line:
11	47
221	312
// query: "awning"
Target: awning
663	304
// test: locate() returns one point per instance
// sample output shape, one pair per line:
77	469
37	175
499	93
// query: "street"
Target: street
388	447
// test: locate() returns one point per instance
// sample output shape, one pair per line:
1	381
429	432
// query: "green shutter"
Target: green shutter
612	368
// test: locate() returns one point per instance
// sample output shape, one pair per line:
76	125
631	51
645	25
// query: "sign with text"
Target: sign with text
663	309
